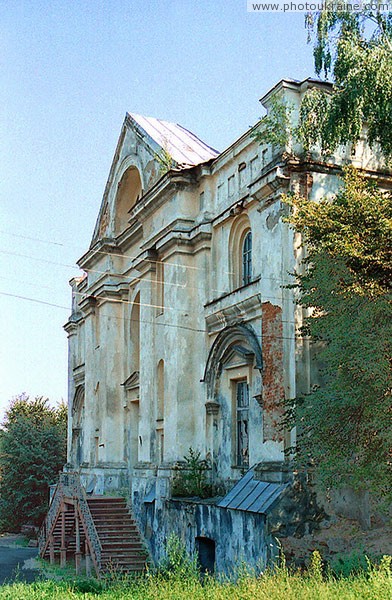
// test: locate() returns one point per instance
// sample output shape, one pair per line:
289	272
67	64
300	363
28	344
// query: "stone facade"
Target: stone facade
183	334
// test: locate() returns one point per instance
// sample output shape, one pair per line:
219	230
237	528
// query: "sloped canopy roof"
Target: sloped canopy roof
186	149
251	495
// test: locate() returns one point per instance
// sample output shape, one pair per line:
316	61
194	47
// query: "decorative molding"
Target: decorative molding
79	374
212	408
259	399
222	348
87	305
94	254
132	382
233	308
72	326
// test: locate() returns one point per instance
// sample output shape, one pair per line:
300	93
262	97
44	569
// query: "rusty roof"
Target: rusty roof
186	149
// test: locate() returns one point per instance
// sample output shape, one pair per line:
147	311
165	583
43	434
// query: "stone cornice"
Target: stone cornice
72	326
195	239
180	224
130	236
164	189
242	304
87	305
94	254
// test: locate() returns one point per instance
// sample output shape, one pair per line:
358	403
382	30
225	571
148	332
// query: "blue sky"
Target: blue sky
69	71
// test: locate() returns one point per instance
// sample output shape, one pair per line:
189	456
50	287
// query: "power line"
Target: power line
155	322
143	280
32	239
120	255
33	300
165	307
121	275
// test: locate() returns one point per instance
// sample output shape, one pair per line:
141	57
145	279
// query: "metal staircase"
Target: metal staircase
98	531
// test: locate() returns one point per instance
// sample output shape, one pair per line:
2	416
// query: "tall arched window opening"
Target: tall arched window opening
247	259
161	391
135	334
160	410
159	288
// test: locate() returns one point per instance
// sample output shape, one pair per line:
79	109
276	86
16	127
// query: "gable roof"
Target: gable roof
186	149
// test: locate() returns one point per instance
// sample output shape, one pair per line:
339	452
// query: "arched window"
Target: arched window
247	259
240	252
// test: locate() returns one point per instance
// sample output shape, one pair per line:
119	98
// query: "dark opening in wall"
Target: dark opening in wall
206	552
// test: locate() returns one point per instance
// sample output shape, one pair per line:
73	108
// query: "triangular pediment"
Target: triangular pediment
238	355
152	146
132	382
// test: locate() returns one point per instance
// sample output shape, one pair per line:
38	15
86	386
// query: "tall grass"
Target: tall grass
178	577
375	584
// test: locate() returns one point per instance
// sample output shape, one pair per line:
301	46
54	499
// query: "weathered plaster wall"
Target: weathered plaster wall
180	246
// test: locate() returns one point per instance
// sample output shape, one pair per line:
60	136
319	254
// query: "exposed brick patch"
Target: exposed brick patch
305	184
273	389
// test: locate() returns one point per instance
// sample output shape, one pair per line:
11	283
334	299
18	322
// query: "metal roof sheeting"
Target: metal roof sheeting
186	149
250	494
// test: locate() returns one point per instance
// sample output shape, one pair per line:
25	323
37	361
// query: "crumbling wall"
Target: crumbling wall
240	537
273	383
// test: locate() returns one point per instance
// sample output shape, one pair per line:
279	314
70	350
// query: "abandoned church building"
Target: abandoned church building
184	337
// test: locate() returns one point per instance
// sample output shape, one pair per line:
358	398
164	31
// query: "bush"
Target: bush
191	480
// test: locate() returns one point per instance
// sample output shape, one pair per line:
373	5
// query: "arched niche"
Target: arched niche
135	333
129	190
77	427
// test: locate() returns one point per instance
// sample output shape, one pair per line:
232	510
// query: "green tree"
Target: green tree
355	48
344	426
32	452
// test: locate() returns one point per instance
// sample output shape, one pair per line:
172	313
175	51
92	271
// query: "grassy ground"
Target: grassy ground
182	584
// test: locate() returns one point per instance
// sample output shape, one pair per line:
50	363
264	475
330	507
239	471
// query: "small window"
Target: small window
220	192
242	174
254	167
242	423
247	259
231	185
